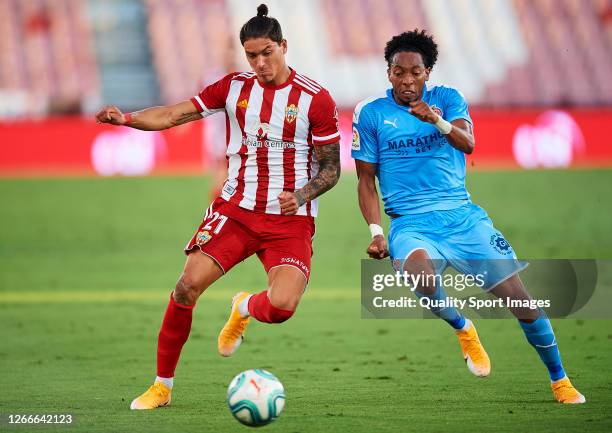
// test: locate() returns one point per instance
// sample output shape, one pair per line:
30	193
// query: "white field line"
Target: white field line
68	296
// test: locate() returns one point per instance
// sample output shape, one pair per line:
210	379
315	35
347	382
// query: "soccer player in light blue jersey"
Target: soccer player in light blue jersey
414	138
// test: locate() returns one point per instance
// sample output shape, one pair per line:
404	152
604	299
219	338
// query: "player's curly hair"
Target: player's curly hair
261	26
415	41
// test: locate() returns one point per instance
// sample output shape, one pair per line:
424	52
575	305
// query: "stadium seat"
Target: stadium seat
47	52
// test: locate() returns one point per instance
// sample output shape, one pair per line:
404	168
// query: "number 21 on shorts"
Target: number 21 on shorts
215	218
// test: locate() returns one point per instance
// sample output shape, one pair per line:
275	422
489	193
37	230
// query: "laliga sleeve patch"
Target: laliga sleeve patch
356	141
500	244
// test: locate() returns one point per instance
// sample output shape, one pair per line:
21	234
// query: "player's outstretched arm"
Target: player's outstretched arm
369	205
328	156
150	119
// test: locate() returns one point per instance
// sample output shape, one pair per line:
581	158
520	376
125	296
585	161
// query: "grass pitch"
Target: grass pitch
86	266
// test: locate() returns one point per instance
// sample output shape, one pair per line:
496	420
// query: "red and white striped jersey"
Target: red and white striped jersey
270	134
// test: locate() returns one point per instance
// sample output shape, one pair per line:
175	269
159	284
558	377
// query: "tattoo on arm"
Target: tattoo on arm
186	118
328	157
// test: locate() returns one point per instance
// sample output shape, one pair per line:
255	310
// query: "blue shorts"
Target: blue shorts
463	238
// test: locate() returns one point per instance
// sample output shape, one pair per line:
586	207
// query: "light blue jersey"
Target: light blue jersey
422	181
418	170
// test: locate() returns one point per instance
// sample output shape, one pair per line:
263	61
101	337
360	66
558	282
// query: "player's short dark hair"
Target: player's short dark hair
261	26
415	42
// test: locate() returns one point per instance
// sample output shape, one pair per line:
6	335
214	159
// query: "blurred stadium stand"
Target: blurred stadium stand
190	42
62	56
47	62
127	76
550	58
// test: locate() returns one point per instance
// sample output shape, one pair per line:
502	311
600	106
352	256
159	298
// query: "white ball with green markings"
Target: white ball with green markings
256	397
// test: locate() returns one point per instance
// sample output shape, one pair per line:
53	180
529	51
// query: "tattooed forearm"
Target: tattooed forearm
328	157
185	118
164	117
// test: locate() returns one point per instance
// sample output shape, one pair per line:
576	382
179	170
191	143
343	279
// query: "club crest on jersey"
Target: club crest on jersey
291	113
202	237
437	110
356	142
243	104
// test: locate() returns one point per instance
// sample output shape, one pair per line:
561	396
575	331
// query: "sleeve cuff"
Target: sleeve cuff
328	139
202	108
467	119
198	104
364	158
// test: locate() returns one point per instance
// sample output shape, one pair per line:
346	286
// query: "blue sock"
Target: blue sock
541	336
449	314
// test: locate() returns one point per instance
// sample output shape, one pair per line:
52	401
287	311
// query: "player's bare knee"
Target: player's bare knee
426	289
187	290
285	303
419	269
280	314
285	289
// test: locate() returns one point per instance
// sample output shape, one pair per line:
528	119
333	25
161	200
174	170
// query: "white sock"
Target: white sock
243	307
467	325
168	381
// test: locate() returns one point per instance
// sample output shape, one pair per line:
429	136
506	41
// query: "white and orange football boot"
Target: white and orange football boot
157	395
232	333
565	392
475	356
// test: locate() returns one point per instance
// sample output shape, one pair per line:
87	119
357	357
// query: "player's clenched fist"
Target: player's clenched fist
378	248
289	203
422	111
111	114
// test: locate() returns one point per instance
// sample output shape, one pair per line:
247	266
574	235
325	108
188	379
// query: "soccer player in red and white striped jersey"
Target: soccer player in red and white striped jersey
283	152
271	134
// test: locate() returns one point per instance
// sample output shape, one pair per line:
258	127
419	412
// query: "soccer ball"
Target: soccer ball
255	397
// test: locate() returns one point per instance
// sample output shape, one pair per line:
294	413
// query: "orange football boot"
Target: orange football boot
565	392
157	395
475	356
232	333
